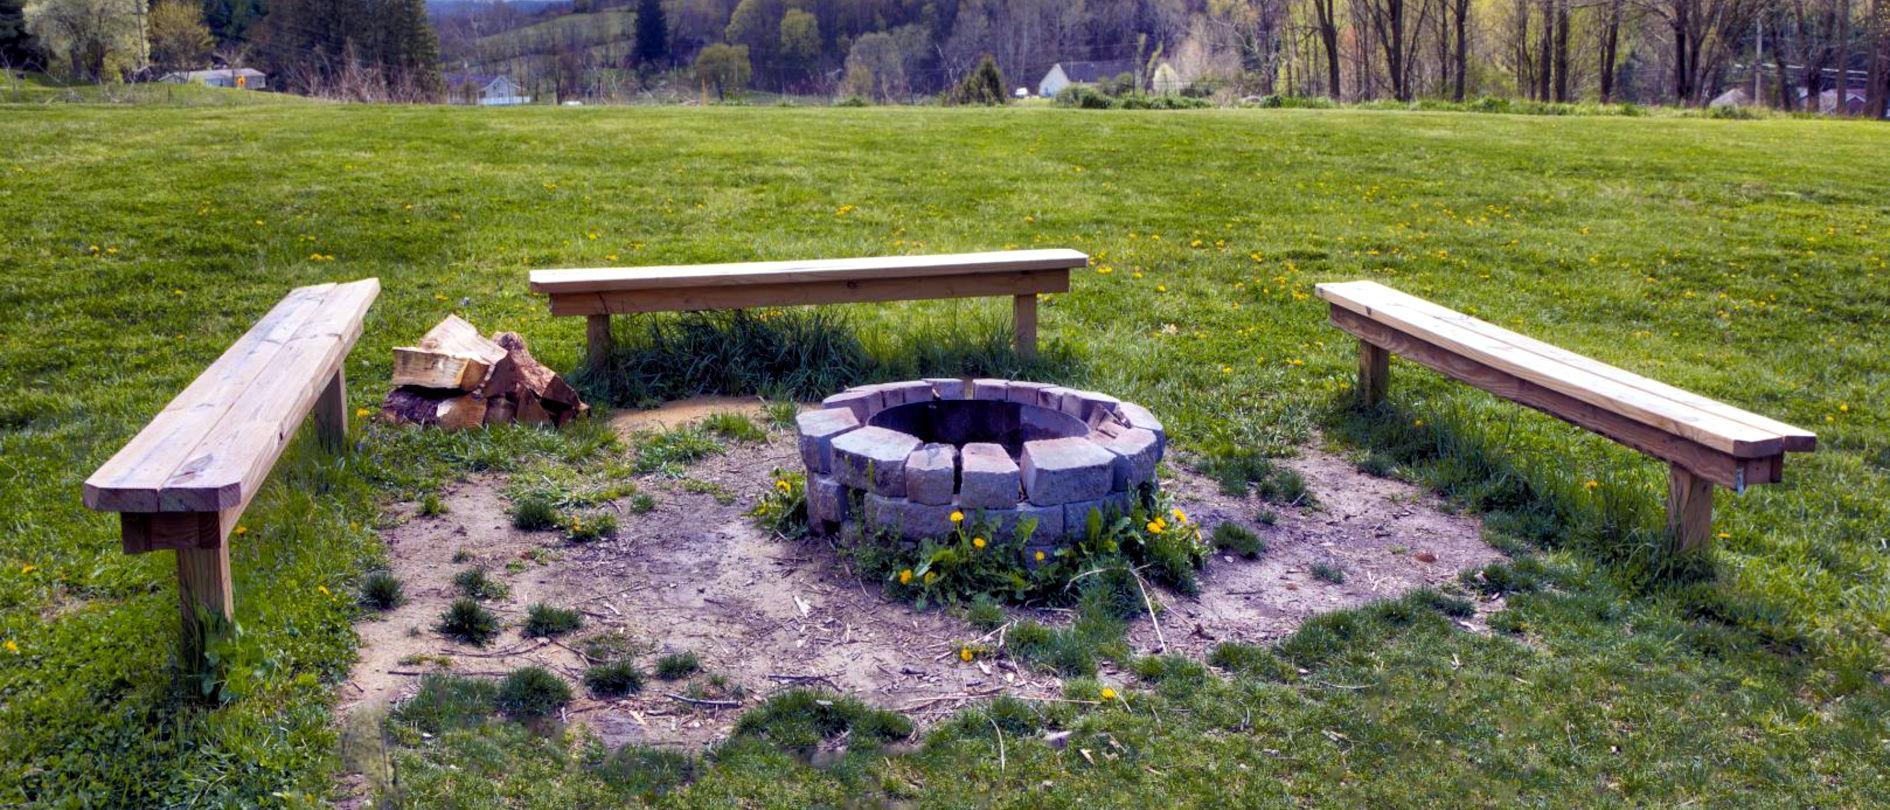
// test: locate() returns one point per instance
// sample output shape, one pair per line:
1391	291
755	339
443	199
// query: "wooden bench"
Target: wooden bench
185	479
1705	442
600	293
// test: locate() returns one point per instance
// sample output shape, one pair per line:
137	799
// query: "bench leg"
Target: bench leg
1024	313
1689	509
203	584
331	411
596	340
1374	373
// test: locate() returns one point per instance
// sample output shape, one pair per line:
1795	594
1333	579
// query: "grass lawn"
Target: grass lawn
1745	260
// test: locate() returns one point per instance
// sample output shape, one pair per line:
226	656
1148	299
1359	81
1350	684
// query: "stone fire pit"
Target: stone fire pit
908	454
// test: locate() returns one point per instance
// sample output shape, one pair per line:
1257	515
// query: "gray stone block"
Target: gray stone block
863	404
1135	452
817	431
1025	393
826	501
873	459
911	521
988	478
1059	471
1089	406
947	387
931	473
990	389
905	393
1137	416
1052	397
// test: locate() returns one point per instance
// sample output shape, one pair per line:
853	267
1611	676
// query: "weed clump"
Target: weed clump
614	678
531	693
735	427
446	702
469	621
802	719
646	773
534	513
1238	539
677	665
475	583
545	621
432	506
1327	572
591	528
381	590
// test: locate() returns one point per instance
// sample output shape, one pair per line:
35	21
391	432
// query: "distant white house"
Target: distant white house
485	91
244	78
1064	74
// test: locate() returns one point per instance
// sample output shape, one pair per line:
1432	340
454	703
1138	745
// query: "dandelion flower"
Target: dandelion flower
242	530
323	589
1590	484
964	653
782	485
1040	556
977	542
957	516
931	577
361	413
905	577
1156	526
1108	694
12	647
1180	516
28	569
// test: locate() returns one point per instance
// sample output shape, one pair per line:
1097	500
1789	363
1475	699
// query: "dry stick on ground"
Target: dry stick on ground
1143	587
703	702
1000	738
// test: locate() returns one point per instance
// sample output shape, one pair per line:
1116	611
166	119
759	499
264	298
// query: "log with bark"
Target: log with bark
455	379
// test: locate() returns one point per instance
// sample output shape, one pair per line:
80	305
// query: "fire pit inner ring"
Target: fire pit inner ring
959	422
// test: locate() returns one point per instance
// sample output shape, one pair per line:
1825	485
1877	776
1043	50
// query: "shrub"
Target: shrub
677	665
643	503
592	527
469	621
432	506
381	590
531	693
1328	572
1238	539
614	678
534	513
476	584
983	85
782	510
545	621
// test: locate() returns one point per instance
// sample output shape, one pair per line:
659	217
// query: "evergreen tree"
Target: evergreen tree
230	20
983	85
409	50
16	45
651	48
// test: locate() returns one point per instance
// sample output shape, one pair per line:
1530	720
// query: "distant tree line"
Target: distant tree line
1781	53
369	49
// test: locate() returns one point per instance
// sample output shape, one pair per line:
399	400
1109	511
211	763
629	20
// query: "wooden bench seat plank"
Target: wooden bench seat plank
1794	439
224	469
1709	429
130	480
599	280
690	298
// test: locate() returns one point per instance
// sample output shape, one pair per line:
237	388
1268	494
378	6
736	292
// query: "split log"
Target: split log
540	396
452	355
449	410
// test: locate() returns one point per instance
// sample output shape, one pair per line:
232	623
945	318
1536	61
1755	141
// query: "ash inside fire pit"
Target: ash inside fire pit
906	455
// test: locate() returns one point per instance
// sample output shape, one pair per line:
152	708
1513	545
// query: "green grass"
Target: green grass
1725	257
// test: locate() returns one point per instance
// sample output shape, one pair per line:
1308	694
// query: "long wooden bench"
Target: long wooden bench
600	293
186	478
1705	442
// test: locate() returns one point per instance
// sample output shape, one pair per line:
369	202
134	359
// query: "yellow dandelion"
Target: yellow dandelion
323	589
1161	288
12	647
1590	484
1156	526
782	485
977	542
361	413
957	516
1039	556
1108	694
964	653
242	530
905	577
1180	516
28	569
1725	535
930	577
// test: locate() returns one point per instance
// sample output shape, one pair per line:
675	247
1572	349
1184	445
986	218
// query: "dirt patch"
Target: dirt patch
693	574
684	411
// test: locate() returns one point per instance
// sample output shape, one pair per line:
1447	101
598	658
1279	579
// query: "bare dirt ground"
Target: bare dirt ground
693	574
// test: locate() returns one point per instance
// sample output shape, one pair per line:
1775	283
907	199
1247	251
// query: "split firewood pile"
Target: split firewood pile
456	379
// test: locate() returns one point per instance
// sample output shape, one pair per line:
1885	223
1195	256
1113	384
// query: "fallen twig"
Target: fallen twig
729	704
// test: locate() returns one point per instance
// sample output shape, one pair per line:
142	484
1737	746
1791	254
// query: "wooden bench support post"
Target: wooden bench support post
1024	313
596	340
203	584
1374	373
331	411
1689	509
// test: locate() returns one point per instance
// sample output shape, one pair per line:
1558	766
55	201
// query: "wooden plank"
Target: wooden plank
618	279
1025	282
1689	509
1024	318
130	480
1707	462
1374	373
203	584
596	340
1719	433
1794	439
331	410
235	455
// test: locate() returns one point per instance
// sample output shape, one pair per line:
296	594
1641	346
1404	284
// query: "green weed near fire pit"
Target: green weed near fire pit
1730	258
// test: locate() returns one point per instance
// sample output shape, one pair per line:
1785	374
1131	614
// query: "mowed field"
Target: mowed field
1745	260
